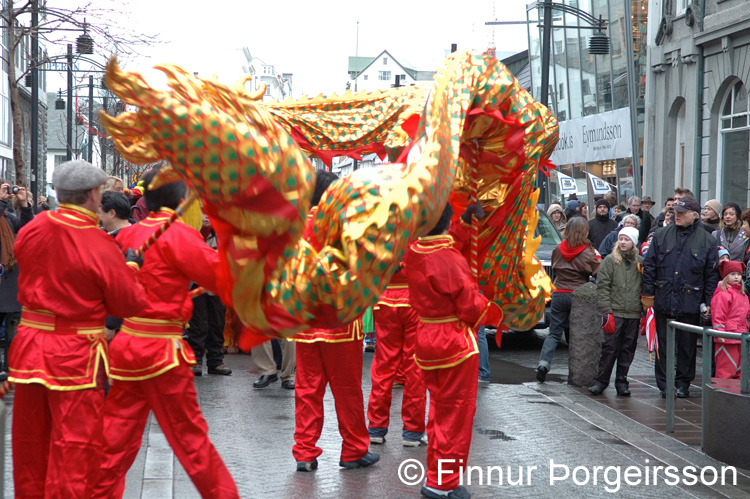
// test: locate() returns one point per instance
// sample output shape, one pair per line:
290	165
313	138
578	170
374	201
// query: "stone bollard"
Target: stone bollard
585	348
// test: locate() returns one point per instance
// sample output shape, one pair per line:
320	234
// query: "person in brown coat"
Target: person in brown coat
574	260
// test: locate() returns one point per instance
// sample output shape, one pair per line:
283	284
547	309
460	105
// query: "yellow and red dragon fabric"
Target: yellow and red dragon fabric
474	131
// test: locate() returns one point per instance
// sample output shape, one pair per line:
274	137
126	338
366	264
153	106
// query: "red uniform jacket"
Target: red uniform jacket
149	344
72	275
447	300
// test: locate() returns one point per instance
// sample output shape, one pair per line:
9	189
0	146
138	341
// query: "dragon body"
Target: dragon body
474	134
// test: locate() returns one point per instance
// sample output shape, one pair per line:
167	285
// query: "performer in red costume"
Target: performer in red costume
151	363
396	324
450	309
72	275
329	356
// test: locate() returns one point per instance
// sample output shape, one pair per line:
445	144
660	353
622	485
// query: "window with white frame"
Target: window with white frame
681	6
384	75
734	147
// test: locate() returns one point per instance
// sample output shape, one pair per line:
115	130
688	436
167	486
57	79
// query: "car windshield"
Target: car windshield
545	229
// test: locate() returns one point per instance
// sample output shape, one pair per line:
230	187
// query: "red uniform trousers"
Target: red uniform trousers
57	441
339	364
728	360
173	399
453	402
397	330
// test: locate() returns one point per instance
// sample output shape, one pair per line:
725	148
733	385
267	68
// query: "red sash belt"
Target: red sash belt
47	321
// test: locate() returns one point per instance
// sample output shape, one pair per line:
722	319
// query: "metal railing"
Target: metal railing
708	336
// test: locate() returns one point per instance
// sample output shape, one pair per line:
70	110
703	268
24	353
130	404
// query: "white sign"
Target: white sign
598	137
567	184
598	185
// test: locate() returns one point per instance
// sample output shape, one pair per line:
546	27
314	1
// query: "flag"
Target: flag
567	184
598	185
648	328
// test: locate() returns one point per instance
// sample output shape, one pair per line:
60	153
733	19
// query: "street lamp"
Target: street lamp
598	45
60	105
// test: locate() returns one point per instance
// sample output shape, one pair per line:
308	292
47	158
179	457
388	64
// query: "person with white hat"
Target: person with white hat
618	286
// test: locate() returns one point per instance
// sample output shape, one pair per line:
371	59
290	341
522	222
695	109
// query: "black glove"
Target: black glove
131	257
472	209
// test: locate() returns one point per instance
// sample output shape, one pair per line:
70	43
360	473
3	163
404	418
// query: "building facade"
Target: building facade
22	67
598	100
383	72
698	119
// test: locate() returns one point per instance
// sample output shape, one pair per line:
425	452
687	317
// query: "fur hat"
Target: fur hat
553	208
728	266
631	232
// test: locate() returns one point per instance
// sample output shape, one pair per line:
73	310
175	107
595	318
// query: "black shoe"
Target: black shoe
197	370
541	373
367	460
288	384
597	389
220	369
622	391
307	465
663	394
459	492
265	380
683	392
370	348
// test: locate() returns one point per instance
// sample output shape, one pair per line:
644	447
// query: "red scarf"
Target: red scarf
569	253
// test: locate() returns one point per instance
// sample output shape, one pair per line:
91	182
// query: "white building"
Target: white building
278	85
383	72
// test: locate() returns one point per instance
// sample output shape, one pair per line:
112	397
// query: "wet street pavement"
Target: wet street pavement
531	435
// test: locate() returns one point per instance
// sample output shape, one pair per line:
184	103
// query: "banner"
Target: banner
598	137
598	185
567	184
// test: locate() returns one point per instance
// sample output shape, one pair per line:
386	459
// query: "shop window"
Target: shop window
734	144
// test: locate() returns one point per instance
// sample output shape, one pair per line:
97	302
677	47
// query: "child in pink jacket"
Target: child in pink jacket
730	310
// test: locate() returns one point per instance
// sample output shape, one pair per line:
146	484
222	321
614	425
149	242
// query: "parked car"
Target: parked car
550	238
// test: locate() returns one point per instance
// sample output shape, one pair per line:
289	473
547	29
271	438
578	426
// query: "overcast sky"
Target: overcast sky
312	39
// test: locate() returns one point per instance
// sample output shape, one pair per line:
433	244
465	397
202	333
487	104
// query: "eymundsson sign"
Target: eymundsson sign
597	137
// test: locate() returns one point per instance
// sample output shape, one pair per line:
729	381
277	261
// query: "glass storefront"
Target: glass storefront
583	85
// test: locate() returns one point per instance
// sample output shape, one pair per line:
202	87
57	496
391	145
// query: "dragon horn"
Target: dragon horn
181	82
130	87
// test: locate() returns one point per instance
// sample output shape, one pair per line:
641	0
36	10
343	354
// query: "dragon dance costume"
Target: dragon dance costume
474	135
396	325
72	275
450	309
151	363
329	356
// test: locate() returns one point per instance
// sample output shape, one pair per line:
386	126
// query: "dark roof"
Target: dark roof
516	62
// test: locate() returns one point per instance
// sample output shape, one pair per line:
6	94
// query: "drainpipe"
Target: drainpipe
697	167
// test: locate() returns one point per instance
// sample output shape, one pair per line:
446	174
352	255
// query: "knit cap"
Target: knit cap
631	232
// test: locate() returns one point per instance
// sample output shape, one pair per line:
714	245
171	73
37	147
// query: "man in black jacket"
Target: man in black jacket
601	225
680	272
